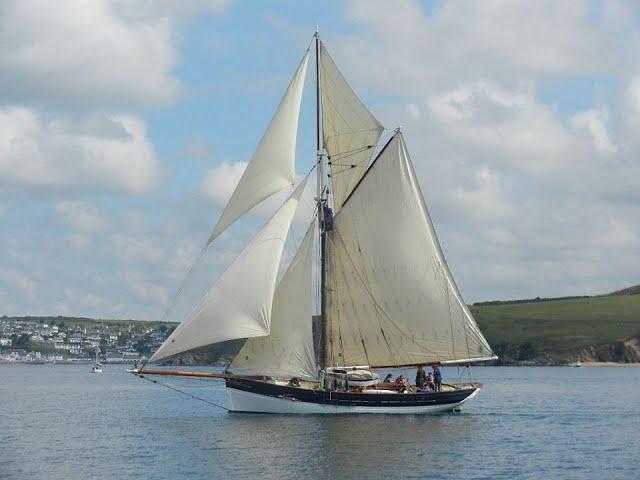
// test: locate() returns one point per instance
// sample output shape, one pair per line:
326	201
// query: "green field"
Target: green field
555	328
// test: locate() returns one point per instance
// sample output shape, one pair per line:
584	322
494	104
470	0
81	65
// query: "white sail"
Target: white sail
238	305
288	350
272	166
350	131
390	298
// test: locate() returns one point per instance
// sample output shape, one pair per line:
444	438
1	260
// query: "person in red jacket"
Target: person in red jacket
401	383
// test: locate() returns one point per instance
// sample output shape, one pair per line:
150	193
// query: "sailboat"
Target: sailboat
97	366
386	295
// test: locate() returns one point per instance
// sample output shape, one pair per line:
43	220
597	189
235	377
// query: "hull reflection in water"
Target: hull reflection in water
256	396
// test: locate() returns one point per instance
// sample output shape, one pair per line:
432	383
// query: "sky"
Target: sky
125	125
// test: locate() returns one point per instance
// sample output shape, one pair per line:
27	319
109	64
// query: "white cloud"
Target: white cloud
81	215
83	52
505	126
221	181
594	122
150	9
404	49
481	198
51	153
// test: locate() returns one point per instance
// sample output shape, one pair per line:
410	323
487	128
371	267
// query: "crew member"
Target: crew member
437	378
421	377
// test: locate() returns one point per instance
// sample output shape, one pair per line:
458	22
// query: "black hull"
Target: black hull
332	400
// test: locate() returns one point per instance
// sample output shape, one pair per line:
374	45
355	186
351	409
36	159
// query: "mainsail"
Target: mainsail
288	350
272	166
238	305
350	131
391	299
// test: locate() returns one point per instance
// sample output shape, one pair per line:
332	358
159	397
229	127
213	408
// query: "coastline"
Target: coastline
610	364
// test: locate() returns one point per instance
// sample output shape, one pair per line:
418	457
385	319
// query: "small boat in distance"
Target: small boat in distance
370	256
97	366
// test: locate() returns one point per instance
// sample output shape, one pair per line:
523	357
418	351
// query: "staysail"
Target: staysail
272	166
288	349
238	305
390	297
350	131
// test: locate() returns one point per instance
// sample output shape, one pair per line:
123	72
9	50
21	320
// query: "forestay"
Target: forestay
238	305
272	166
288	350
391	299
350	131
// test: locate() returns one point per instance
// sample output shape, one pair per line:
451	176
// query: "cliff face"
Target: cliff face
627	351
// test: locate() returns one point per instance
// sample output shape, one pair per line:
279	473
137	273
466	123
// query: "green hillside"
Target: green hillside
635	290
558	330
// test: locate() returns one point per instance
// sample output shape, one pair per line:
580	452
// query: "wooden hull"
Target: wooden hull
254	396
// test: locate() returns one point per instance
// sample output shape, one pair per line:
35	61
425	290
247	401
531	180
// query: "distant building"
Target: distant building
113	357
130	357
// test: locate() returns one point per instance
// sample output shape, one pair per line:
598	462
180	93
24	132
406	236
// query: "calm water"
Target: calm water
61	422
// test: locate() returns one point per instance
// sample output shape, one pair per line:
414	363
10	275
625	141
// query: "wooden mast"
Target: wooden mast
320	199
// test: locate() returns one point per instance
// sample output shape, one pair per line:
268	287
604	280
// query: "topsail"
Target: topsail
350	131
272	166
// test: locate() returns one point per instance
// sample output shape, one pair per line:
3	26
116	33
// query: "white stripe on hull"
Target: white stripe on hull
242	401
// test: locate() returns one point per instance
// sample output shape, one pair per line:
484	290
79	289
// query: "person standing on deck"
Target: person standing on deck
421	377
437	378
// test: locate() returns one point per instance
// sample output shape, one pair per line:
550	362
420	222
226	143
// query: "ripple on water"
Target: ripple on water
64	423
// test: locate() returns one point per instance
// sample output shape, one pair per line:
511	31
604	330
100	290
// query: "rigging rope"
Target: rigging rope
175	389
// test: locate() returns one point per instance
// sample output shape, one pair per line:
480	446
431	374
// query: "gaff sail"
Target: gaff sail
391	299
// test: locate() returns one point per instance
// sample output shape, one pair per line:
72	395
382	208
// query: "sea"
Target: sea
63	422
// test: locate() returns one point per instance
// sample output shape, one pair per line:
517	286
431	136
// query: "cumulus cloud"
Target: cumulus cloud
503	125
594	122
93	52
84	52
109	153
167	8
220	181
404	48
